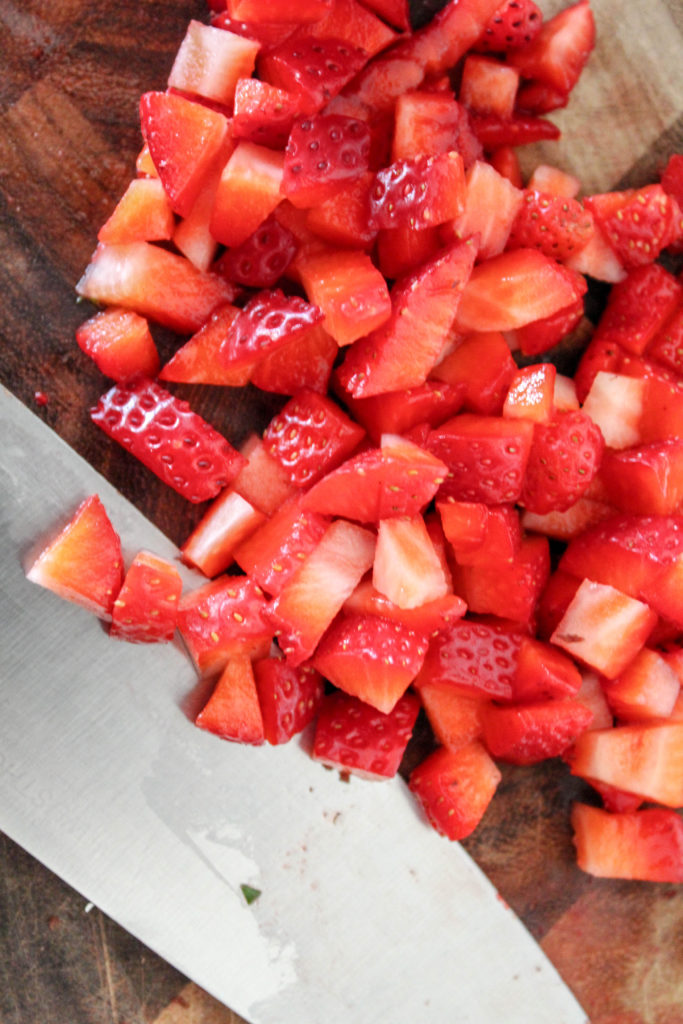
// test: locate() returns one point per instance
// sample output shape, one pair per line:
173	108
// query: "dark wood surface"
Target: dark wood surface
71	75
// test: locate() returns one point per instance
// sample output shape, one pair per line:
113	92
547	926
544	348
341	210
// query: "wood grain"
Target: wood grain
71	75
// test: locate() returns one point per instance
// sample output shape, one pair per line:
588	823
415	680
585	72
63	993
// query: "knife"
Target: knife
365	914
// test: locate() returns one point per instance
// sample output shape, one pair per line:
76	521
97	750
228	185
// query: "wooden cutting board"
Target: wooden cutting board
71	75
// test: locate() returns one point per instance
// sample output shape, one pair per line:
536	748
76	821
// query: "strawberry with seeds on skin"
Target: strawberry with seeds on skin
420	193
559	52
397	411
514	25
262	113
455	787
428	618
529	733
323	153
274	552
564	457
83	563
371	658
146	608
175	443
557	225
269	320
313	70
637	223
310	436
493	131
478	659
638	307
289	697
261	260
196	362
354	737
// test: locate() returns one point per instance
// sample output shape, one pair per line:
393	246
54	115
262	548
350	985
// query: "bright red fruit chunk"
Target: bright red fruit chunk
515	24
262	259
355	737
268	321
641	845
289	697
455	787
564	457
324	153
146	608
314	69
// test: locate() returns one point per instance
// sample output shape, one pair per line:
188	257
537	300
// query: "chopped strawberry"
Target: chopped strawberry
263	257
491	206
486	457
289	697
232	711
183	139
559	52
313	70
564	457
83	563
371	658
278	11
323	153
396	12
641	758
355	23
510	589
493	131
480	534
646	479
120	344
514	25
248	191
428	123
227	522
454	718
420	192
355	737
483	365
477	658
637	223
350	291
263	114
647	689
514	289
305	362
210	61
529	733
531	393
455	787
427	618
310	436
197	362
666	347
401	353
315	593
638	307
267	33
544	673
222	619
146	608
407	568
488	86
274	552
556	225
268	321
638	845
176	444
395	412
398	479
142	214
541	335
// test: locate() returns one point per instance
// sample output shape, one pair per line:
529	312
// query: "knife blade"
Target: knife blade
365	914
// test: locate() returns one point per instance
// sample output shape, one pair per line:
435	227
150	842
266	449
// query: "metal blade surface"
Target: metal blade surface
365	914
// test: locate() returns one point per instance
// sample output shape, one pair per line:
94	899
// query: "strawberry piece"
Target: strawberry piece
183	139
210	61
557	225
529	733
323	153
278	11
263	257
666	347
491	206
559	52
262	481
155	283
564	457
400	251
429	123
493	131
232	711
289	697
397	411
505	161
476	658
427	618
222	619
638	307
541	335
269	320
313	70
486	457
142	214
421	192
146	607
310	436
480	534
531	393
274	552
646	479
638	845
305	362
401	353
267	33
396	12
120	344
312	596
603	627
482	364
543	673
197	362
248	191
262	113
455	719
637	223
514	289
355	737
514	25
455	787
354	23
371	658
399	479
407	568
176	444
83	564
342	220
350	291
511	589
647	689
643	758
227	522
488	87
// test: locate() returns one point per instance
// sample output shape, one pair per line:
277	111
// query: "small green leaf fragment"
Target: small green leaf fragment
250	893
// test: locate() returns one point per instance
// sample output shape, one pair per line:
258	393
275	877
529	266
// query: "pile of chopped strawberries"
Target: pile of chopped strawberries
329	206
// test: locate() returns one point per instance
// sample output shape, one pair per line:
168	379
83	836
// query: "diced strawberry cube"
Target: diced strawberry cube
455	719
647	688
142	214
509	589
455	787
210	61
638	845
146	607
275	551
248	191
646	479
120	344
289	697
531	393
232	711
324	152
483	365
479	659
407	568
428	618
397	411
349	290
262	114
227	522
529	733
544	673
355	737
313	70
488	87
491	206
198	362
